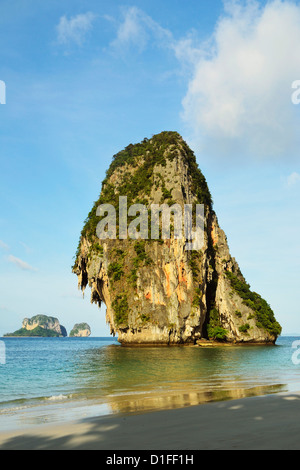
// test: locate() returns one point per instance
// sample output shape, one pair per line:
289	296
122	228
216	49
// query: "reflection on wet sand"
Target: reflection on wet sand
151	401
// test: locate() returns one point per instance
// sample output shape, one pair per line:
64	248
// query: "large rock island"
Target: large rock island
157	291
40	326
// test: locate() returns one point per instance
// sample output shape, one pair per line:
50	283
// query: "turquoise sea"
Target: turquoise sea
50	380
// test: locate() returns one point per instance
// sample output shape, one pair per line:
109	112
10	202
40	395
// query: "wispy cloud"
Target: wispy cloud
26	247
20	263
4	246
293	179
138	29
74	30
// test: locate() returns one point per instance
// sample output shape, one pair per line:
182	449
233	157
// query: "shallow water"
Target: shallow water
58	379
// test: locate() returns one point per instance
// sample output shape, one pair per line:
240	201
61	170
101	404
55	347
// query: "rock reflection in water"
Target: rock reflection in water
152	378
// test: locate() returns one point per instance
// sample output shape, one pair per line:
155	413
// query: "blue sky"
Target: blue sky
85	79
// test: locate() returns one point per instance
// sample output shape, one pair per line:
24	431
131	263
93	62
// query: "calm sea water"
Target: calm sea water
55	379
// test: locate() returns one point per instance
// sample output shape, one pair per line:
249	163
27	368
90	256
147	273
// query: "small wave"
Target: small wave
59	397
13	409
24	404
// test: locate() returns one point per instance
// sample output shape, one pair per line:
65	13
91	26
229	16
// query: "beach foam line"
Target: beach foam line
20	404
58	397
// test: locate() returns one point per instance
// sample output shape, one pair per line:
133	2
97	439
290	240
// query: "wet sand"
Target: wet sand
263	422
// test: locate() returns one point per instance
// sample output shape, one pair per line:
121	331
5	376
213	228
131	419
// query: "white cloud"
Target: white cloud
74	30
136	30
239	80
239	97
131	31
293	179
20	263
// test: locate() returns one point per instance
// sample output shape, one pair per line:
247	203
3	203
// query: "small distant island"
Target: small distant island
40	326
80	330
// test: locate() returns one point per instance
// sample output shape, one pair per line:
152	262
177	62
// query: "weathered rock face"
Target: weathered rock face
45	322
157	291
80	330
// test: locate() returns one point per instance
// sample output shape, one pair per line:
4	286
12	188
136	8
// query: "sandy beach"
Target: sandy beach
264	422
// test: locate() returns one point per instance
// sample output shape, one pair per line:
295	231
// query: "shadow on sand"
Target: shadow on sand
265	422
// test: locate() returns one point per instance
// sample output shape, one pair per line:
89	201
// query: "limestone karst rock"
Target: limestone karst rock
157	291
80	330
40	325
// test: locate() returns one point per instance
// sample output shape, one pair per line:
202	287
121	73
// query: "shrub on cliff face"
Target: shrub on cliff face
244	328
120	306
217	333
115	271
142	256
214	328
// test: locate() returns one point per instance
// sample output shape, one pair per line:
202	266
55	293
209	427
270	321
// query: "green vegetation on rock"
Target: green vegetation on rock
214	328
194	262
244	328
115	271
120	306
263	313
43	320
142	256
38	331
78	328
40	325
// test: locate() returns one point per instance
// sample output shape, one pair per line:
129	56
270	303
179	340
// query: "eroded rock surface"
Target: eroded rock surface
80	330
